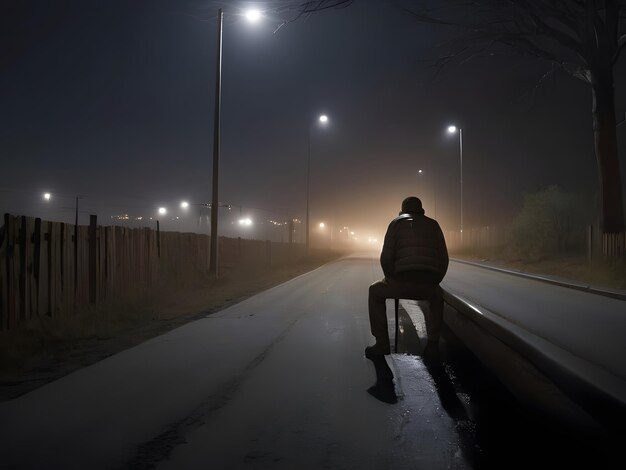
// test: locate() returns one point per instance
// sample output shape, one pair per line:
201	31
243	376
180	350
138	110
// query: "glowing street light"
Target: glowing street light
184	205
247	222
47	196
253	15
323	119
162	211
420	173
322	225
452	130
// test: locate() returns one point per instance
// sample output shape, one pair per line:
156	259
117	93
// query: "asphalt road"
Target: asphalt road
587	325
276	381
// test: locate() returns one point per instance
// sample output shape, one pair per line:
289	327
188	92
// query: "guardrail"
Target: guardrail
536	370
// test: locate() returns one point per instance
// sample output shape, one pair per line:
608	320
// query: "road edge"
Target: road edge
537	277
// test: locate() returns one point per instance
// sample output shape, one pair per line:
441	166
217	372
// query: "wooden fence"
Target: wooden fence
475	238
54	269
614	245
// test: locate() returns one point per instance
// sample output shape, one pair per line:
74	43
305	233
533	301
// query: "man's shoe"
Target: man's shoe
377	350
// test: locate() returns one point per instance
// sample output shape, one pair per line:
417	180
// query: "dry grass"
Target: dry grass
574	267
44	349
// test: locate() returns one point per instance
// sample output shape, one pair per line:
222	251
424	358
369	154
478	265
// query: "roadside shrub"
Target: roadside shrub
551	222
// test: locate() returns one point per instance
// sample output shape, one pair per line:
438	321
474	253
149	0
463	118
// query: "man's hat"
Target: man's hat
412	205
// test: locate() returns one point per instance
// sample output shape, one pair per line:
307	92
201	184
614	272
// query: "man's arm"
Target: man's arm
388	255
443	249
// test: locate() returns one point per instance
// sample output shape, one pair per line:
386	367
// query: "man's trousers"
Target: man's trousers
396	289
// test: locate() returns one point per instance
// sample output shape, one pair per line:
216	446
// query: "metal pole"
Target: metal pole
76	247
308	188
461	153
213	263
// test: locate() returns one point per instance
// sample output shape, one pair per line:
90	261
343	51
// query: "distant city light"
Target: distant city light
184	205
451	129
162	210
322	225
351	233
47	196
323	118
245	222
253	15
420	171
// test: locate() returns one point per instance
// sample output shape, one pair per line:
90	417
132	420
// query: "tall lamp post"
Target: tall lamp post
216	146
323	119
421	174
252	16
452	130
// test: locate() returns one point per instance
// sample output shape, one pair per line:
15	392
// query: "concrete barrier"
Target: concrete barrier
538	373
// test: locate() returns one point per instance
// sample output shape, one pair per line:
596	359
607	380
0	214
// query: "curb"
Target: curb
570	285
600	393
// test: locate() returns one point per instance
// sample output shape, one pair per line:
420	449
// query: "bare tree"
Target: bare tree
584	38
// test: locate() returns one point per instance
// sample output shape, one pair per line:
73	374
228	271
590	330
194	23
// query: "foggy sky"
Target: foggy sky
116	104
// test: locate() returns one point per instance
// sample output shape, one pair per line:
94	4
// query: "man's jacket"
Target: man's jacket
414	248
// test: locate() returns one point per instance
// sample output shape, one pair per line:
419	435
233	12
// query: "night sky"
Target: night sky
115	102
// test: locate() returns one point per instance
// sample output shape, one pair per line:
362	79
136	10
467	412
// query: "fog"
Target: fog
115	105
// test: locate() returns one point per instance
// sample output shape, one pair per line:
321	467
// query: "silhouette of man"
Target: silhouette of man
414	260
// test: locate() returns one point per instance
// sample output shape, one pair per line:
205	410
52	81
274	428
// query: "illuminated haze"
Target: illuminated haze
116	104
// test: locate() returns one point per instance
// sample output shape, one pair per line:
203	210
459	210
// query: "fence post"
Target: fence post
23	269
158	240
9	300
37	262
93	223
590	243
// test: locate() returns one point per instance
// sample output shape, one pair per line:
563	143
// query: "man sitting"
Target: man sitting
414	260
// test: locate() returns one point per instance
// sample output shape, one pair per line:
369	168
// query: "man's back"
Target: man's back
413	244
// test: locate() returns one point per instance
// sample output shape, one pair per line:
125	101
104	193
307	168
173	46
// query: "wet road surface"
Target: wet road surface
280	381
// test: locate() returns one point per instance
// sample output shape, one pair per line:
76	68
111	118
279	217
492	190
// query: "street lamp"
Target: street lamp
420	172
323	119
252	16
184	205
162	211
47	196
452	130
323	226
